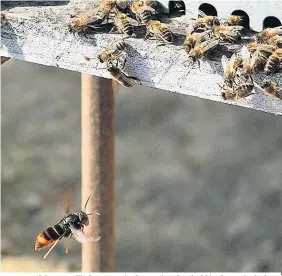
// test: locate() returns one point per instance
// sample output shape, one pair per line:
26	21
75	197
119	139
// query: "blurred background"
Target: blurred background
198	184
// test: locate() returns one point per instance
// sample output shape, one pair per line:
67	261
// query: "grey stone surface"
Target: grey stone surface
40	35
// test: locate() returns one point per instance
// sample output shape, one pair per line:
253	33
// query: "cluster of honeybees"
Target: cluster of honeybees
121	13
206	33
263	54
203	35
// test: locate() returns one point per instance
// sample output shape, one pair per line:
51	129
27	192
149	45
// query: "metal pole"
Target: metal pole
97	152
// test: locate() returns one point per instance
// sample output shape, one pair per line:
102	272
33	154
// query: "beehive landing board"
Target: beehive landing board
39	34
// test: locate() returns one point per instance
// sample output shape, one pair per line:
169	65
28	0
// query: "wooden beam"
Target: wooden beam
97	155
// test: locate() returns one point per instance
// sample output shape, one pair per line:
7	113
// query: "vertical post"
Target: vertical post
97	152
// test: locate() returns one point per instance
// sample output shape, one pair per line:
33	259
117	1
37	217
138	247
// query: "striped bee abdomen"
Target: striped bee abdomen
123	24
49	236
272	64
127	28
166	35
121	46
145	16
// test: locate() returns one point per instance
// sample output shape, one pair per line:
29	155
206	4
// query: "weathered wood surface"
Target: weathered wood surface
39	34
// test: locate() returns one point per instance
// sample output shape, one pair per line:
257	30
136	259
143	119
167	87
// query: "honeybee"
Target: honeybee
230	68
264	35
142	11
113	52
252	46
275	40
228	93
3	19
159	30
227	33
272	89
274	61
92	18
192	39
242	89
123	23
261	55
247	69
233	20
202	48
70	225
205	22
120	77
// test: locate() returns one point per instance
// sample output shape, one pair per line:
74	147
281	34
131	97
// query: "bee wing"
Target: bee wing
89	13
224	62
232	61
112	47
148	8
254	59
213	43
228	33
246	55
90	16
235	28
266	48
201	14
189	29
80	237
278	28
204	36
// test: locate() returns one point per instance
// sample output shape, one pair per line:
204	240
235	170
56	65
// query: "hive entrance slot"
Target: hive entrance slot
176	8
208	9
270	22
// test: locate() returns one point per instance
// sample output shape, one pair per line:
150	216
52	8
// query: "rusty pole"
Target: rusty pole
97	157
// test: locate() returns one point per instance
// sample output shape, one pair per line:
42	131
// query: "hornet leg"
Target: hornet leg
67	245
